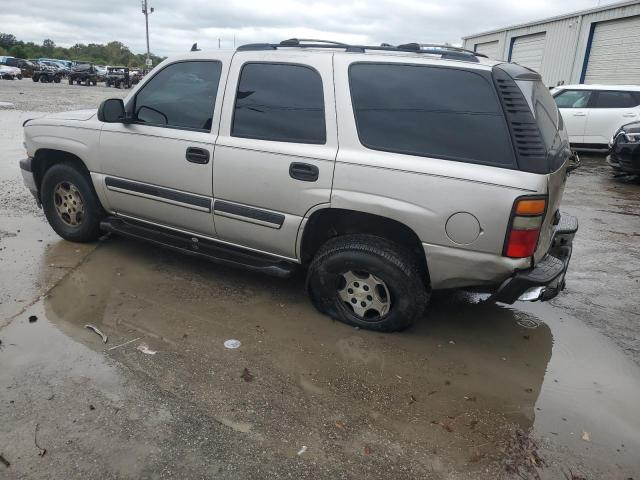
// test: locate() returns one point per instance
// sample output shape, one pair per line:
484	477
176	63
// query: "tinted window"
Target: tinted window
279	102
573	98
615	100
429	111
181	95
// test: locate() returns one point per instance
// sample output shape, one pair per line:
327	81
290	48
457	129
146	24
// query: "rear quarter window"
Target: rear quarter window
615	99
446	113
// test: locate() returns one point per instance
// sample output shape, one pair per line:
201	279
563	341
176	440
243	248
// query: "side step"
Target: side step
199	247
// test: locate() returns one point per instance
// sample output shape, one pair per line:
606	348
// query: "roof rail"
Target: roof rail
297	42
451	47
445	51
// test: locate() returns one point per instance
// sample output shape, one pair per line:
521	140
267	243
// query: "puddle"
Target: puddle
458	383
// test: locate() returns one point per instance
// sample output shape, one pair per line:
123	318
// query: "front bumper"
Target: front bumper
623	155
28	178
547	278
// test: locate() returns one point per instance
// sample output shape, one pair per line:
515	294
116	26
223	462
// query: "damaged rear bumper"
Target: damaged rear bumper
547	278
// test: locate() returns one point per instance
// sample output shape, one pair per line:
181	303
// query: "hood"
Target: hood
81	115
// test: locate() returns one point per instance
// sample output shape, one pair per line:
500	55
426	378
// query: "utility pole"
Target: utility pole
146	10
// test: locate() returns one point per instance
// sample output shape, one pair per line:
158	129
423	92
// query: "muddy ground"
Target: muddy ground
303	396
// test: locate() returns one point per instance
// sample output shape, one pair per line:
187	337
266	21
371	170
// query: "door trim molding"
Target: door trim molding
160	194
248	214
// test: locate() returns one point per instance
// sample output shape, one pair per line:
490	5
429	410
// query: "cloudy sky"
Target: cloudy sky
176	24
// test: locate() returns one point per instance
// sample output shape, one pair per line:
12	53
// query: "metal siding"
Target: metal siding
528	51
566	41
614	56
490	49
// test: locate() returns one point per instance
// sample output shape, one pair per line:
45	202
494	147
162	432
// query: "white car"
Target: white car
593	113
10	73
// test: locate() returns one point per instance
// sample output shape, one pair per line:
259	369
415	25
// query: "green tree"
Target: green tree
7	40
48	46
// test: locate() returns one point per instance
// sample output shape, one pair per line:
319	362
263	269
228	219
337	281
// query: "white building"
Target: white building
599	45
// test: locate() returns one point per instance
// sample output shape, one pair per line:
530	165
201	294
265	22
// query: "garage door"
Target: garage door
528	51
614	58
490	49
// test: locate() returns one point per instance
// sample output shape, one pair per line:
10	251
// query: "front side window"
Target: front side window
182	95
429	111
610	99
573	98
279	102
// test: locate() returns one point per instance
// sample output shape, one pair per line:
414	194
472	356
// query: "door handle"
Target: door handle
197	155
304	172
628	114
579	114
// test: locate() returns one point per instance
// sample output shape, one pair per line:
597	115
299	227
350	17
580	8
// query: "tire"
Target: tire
70	81
393	270
94	82
56	79
43	79
35	78
88	227
19	77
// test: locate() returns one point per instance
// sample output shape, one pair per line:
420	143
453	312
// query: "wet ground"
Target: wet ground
473	391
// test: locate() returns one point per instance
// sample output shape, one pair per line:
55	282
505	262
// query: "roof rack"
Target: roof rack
445	51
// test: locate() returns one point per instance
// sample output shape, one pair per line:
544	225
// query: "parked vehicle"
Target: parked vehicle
592	113
624	149
101	71
136	76
66	64
443	177
47	73
83	73
117	77
10	73
26	67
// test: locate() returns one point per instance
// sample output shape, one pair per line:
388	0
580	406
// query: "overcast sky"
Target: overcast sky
176	24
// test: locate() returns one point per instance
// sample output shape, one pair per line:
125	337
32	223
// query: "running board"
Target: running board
200	247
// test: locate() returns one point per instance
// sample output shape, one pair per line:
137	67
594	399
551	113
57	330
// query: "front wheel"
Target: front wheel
70	203
368	282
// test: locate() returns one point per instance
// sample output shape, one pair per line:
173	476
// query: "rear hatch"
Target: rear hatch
539	136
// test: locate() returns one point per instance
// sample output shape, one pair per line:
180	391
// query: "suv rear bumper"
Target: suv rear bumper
547	278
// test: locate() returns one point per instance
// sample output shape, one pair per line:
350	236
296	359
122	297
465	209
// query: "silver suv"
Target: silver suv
387	172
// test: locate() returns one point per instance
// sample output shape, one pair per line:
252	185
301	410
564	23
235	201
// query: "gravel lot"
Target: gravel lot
30	96
304	397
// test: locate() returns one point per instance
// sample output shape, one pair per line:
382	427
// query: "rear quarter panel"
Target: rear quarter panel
422	192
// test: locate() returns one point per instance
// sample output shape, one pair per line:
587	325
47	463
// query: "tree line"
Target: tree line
113	53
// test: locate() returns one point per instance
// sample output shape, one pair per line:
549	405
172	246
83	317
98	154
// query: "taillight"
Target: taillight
524	228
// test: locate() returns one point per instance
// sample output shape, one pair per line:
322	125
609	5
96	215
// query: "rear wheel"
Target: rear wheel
369	282
35	78
71	204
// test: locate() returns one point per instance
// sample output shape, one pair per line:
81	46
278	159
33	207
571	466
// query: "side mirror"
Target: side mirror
112	111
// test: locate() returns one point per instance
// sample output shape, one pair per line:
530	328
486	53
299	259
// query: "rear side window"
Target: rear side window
181	95
279	102
573	98
429	111
609	99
